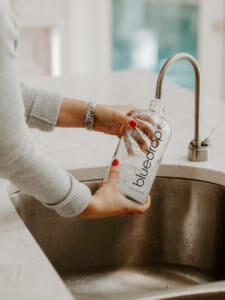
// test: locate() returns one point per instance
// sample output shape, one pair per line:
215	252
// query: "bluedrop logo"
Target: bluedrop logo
140	178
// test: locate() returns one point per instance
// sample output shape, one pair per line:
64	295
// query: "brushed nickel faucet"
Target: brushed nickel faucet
197	150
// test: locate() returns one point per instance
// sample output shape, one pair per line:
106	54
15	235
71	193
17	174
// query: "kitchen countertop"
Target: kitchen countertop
25	272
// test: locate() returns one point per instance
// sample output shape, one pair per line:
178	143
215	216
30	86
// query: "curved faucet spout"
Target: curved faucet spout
197	151
158	94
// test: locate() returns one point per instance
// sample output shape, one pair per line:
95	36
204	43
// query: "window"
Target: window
147	32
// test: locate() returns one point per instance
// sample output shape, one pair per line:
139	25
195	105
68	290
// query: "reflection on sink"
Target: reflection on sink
178	243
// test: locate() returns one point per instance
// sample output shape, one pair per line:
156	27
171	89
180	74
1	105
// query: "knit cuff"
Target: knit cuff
45	111
76	201
42	108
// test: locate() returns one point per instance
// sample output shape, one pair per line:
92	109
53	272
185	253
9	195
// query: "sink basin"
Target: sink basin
174	251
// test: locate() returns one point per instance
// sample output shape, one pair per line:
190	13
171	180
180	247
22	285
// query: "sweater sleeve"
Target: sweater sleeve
41	107
21	161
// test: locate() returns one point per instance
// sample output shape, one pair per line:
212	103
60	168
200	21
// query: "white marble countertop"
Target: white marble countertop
25	272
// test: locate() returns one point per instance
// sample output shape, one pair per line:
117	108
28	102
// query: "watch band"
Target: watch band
90	116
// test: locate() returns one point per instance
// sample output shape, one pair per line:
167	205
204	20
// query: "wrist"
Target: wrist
89	211
72	113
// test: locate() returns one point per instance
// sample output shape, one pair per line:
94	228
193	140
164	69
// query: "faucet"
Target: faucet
197	150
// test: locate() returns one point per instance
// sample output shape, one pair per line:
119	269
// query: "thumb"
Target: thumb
114	171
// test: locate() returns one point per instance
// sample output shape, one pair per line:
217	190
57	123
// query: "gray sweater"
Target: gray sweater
21	161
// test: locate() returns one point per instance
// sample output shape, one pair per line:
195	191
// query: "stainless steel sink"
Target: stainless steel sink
175	251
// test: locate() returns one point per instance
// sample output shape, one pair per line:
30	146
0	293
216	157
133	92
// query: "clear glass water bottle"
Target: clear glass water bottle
141	150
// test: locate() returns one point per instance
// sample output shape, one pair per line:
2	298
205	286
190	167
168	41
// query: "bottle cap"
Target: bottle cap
157	105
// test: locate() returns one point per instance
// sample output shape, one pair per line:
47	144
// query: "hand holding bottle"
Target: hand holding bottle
109	119
140	151
108	200
118	119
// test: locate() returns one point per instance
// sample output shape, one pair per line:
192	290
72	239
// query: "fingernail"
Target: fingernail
133	123
115	162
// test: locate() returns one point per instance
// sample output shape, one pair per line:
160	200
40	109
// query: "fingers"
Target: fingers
125	119
148	119
137	208
134	110
139	140
146	130
146	204
114	172
128	144
100	184
131	123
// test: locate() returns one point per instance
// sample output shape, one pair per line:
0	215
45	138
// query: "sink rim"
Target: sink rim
214	288
196	172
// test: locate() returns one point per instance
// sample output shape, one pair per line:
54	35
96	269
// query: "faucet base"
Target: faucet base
200	153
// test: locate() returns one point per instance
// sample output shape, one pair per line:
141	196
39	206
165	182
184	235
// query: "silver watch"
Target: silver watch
90	116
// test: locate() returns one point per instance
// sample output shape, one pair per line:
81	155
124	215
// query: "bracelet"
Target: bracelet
90	116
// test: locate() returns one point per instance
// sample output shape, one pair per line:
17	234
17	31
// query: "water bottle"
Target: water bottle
141	150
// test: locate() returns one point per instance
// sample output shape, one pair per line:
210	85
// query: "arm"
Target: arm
21	161
45	110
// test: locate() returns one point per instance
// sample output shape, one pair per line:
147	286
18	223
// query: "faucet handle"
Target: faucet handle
200	153
207	140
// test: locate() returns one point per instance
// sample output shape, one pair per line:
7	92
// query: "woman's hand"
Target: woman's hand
116	120
112	119
108	201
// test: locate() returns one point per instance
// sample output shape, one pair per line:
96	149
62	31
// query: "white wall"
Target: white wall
89	35
84	28
211	46
38	20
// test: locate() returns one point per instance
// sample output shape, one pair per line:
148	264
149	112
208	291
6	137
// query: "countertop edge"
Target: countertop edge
165	170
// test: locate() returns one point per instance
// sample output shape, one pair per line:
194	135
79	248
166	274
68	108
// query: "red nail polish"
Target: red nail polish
115	162
133	123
